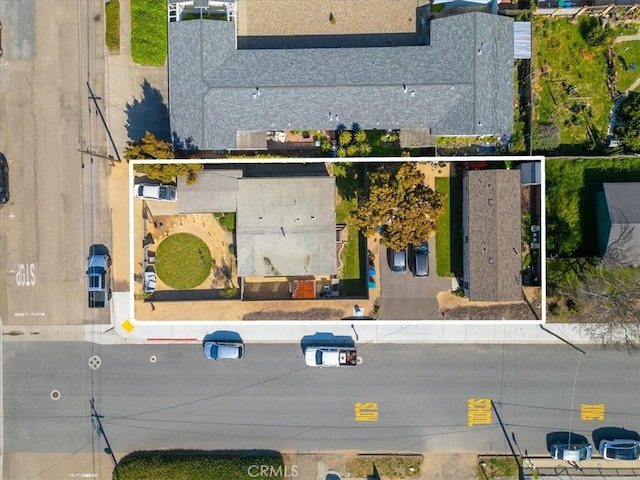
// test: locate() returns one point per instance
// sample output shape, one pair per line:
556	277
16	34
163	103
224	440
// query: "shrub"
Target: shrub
345	137
112	30
332	19
360	136
229	293
546	136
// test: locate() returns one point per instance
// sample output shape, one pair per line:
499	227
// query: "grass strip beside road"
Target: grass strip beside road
112	29
386	466
149	32
194	466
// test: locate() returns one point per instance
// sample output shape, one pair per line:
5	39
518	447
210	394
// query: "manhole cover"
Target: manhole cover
360	360
94	362
153	359
55	395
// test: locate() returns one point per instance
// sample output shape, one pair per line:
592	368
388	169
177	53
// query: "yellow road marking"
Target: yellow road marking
366	412
592	412
479	411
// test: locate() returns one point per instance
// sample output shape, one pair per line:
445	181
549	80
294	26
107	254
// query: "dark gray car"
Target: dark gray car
420	260
4	179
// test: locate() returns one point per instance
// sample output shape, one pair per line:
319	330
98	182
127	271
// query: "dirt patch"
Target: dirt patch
311	17
309	314
445	466
218	240
457	308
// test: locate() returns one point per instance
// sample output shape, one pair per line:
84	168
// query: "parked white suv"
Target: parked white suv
98	277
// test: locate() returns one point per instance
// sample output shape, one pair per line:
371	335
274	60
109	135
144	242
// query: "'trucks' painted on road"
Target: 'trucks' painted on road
366	412
479	411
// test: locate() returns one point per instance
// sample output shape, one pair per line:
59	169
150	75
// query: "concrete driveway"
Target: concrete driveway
405	297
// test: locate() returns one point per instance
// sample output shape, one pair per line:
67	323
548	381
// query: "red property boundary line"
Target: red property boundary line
172	340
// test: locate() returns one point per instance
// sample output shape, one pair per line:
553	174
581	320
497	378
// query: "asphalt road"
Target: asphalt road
405	297
270	399
57	207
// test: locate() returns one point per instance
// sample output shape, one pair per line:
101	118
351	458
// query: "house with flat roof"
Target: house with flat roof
492	246
619	223
286	227
459	84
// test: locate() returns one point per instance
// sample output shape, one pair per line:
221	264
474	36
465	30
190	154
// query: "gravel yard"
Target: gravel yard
311	17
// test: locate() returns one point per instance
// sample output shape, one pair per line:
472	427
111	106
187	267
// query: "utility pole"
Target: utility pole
108	450
104	122
513	452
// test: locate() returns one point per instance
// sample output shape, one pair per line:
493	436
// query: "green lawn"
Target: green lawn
149	31
183	261
350	254
562	59
449	228
226	220
626	54
571	187
192	466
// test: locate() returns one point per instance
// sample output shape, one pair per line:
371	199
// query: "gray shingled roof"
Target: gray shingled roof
493	228
622	200
457	91
286	227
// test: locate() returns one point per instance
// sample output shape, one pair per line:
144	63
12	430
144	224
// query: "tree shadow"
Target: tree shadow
182	144
350	178
148	114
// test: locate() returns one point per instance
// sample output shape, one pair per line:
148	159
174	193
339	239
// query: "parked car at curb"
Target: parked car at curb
628	450
98	278
397	260
163	193
4	179
573	452
329	356
223	350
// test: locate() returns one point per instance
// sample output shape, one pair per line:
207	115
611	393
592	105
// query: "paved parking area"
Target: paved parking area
405	297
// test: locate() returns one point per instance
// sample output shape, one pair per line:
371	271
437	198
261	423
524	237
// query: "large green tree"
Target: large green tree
629	115
151	148
399	205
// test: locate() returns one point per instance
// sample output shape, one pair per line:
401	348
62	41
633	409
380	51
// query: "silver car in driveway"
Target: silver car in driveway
397	260
164	193
620	449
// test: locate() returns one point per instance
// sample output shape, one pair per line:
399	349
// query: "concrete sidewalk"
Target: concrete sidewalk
124	329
